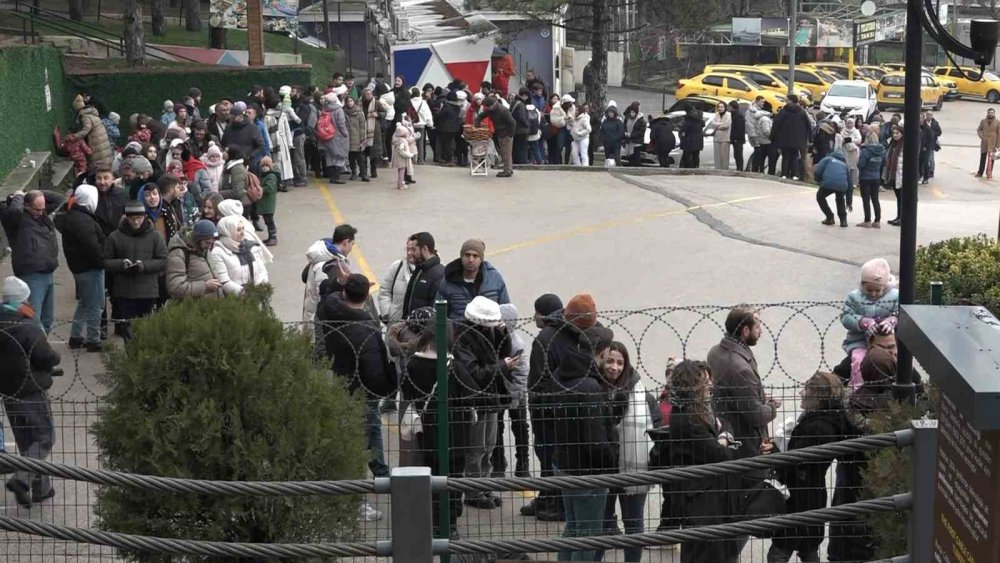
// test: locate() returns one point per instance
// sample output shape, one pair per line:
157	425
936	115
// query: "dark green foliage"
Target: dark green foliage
888	471
219	389
26	123
969	268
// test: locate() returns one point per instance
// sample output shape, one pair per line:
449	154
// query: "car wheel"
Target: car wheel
939	104
993	96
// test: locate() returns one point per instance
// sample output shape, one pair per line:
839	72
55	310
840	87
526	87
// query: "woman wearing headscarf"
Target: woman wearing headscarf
235	259
230	207
335	150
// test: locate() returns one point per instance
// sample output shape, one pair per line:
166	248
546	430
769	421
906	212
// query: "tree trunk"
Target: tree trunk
174	3
76	10
156	13
135	36
192	15
597	89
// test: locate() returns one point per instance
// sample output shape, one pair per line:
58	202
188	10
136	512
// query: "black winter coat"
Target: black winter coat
244	136
738	129
479	368
520	114
791	129
705	501
503	121
806	482
83	240
423	286
612	134
26	358
582	424
662	136
692	132
354	344
33	243
638	136
448	120
111	208
146	245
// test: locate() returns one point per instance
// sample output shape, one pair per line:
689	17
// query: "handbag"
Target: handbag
410	424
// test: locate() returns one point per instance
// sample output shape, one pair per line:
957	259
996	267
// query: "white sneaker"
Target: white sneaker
369	513
796	178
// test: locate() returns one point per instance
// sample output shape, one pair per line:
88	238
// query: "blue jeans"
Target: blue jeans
373	433
632	516
42	296
535	152
89	306
584	517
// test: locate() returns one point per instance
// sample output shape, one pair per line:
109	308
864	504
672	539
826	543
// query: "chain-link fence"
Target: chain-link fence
573	396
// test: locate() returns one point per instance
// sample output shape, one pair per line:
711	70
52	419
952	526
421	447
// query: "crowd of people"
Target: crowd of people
176	213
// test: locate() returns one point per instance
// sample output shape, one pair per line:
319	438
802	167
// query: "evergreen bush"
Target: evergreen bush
968	267
220	389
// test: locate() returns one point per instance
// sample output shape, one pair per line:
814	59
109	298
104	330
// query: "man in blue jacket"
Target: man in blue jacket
831	174
470	276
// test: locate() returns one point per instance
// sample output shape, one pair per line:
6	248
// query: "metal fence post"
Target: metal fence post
923	475
412	520
443	447
937	293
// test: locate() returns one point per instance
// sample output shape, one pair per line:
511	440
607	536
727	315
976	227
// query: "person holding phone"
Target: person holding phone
135	255
517	408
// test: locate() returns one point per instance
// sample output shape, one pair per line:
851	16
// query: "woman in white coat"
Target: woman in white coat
722	122
632	419
580	133
233	207
235	260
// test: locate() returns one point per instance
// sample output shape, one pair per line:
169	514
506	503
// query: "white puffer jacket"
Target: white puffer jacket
231	274
634	443
581	127
318	254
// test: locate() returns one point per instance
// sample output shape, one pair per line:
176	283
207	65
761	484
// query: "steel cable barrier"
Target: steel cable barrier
514	413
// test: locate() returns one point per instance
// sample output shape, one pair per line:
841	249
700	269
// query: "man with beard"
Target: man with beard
422	287
738	396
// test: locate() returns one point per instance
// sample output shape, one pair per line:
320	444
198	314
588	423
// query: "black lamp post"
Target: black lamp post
983	36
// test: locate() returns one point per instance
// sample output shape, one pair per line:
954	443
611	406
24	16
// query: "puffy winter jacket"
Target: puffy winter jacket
392	290
318	254
146	245
581	127
791	129
423	286
759	123
233	269
33	242
692	132
92	131
83	240
188	268
488	283
26	358
353	342
870	161
858	306
831	173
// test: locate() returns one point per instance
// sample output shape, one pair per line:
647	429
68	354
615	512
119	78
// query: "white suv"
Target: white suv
856	97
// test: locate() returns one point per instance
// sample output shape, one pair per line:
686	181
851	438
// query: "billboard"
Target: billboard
746	31
832	32
279	15
774	32
881	28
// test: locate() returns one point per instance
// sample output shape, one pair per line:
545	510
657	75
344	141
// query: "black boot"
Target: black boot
409	179
335	175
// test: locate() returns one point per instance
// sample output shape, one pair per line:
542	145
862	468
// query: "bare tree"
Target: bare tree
156	17
192	15
135	35
76	10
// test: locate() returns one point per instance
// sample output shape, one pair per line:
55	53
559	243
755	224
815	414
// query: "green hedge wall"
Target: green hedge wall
24	120
128	91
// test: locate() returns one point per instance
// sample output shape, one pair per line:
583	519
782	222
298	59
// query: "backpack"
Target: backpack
254	191
325	129
533	122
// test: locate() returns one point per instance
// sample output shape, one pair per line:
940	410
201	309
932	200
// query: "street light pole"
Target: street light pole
792	26
903	389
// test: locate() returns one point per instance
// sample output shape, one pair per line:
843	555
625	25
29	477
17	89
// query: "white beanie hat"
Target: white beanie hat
284	90
483	312
568	99
16	291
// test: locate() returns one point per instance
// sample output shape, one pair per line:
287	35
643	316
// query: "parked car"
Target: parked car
728	85
856	97
813	79
765	77
970	82
676	112
891	91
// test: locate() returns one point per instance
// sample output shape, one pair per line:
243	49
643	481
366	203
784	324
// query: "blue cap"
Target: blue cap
205	229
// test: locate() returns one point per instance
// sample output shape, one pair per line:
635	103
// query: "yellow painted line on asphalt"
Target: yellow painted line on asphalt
338	217
562	235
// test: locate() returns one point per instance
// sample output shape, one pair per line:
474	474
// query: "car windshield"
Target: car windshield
826	76
847	91
894	80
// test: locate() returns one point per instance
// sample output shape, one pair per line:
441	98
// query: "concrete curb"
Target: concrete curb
655	171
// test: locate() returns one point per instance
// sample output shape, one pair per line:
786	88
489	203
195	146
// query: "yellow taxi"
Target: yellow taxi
728	85
890	91
813	79
768	79
982	85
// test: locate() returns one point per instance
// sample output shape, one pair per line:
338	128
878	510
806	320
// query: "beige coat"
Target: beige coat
989	135
188	269
93	132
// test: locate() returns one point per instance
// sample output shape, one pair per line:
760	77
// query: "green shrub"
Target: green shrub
219	389
968	267
888	472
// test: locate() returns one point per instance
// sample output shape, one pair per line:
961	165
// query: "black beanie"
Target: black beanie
548	304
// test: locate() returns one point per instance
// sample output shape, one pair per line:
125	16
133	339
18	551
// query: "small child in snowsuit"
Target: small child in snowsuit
270	179
874	303
402	155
